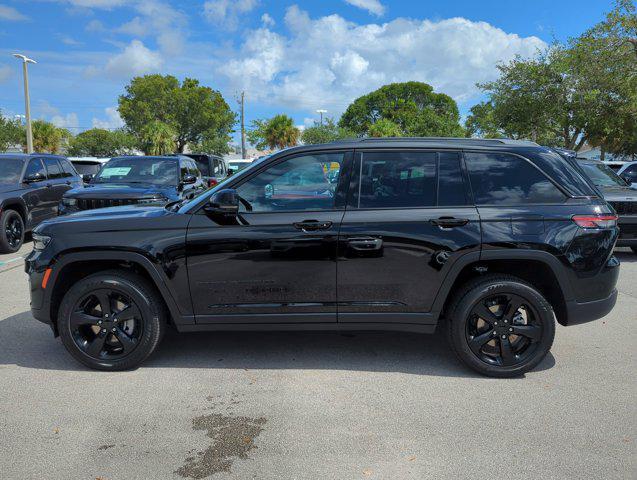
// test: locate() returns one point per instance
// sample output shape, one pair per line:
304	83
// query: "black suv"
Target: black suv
619	195
31	186
491	240
212	167
137	180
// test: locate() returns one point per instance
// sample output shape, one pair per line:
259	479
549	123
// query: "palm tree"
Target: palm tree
280	132
158	138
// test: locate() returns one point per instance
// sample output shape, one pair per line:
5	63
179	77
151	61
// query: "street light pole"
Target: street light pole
27	101
321	112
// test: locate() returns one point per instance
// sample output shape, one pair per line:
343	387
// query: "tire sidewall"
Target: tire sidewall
461	317
5	217
140	294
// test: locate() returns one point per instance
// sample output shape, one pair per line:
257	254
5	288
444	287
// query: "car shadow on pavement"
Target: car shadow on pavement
30	344
626	256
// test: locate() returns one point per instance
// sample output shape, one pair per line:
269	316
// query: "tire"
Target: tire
11	231
137	316
488	346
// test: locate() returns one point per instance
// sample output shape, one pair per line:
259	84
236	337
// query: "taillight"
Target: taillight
212	182
595	221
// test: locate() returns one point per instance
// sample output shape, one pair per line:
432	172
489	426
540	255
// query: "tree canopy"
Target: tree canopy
10	133
98	142
275	133
413	107
327	132
194	113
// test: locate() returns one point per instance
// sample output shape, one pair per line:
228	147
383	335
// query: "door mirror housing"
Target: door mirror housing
189	179
224	202
87	177
36	177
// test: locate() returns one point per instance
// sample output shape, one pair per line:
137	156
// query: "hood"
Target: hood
111	191
125	217
9	187
619	194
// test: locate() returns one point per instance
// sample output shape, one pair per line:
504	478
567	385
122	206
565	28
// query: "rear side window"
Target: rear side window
67	168
451	187
397	179
53	168
504	179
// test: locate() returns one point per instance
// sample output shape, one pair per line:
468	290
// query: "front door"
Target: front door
409	218
39	197
277	262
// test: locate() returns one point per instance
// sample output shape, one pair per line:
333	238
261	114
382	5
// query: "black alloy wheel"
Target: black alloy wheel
106	324
502	330
12	233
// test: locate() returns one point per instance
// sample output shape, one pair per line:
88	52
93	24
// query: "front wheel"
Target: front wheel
500	326
111	320
12	231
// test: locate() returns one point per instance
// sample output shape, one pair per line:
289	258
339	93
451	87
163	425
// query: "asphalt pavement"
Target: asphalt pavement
316	405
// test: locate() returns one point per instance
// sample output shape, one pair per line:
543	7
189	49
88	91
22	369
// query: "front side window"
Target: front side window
53	168
156	171
67	169
34	167
397	179
307	182
504	179
10	170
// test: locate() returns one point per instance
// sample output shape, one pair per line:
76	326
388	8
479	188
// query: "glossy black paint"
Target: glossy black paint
38	200
381	268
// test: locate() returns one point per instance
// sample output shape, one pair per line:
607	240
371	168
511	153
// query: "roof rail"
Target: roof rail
466	141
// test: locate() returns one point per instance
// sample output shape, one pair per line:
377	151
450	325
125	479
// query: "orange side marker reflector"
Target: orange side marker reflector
45	279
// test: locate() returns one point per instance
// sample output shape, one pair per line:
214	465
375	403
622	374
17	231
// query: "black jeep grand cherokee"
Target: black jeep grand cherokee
491	240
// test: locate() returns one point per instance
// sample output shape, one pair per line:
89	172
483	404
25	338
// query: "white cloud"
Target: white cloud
6	72
11	14
135	27
372	6
69	121
135	59
112	121
267	20
225	13
94	26
328	61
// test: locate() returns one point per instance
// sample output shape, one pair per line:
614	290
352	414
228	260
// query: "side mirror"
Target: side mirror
224	202
189	179
36	177
87	177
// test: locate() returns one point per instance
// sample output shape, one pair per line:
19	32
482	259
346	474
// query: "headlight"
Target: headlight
69	202
40	241
143	201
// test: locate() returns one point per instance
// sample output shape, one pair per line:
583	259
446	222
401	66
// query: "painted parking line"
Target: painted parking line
5	262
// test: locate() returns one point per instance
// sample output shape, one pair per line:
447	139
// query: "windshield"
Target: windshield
158	171
10	170
602	176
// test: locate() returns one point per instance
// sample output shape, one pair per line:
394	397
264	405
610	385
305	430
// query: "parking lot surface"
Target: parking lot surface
316	405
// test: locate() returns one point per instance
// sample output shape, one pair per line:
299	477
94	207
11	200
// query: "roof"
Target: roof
29	155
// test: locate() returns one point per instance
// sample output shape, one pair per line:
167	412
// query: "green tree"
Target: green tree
192	111
98	142
413	106
276	133
328	132
11	133
481	122
385	128
47	138
157	138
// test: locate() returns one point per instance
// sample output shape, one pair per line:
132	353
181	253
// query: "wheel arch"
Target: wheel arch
18	205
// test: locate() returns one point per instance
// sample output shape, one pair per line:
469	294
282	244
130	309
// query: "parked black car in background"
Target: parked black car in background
620	196
135	180
31	187
629	173
491	240
88	167
212	167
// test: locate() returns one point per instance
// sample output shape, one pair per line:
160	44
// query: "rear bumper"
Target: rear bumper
588	311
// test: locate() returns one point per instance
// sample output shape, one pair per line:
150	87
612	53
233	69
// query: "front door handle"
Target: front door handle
312	225
365	243
449	222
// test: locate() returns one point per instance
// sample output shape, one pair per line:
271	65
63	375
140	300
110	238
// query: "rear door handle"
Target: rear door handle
449	222
312	225
365	243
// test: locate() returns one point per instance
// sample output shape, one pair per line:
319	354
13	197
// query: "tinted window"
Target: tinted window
34	167
192	168
503	179
216	167
53	168
87	168
397	179
300	183
67	169
602	175
451	188
10	170
202	165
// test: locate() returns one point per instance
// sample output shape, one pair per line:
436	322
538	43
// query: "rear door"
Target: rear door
408	219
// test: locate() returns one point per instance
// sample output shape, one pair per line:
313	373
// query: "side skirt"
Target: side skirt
333	326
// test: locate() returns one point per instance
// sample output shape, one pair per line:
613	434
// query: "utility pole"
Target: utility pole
27	102
321	112
243	126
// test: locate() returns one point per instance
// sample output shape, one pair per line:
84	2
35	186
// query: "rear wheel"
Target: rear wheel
11	232
500	326
111	320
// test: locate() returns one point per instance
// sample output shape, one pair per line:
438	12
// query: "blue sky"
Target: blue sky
289	56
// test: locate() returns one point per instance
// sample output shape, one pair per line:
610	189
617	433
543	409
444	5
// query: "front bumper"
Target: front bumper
588	311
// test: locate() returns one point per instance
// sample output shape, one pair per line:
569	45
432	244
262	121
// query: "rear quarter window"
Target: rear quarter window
505	179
